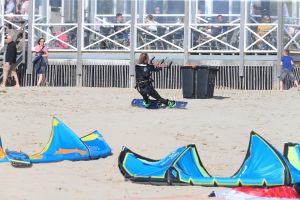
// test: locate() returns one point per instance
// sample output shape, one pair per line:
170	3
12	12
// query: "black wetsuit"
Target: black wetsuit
144	82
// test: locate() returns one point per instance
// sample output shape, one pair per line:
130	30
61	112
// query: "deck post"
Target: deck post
280	29
79	44
132	43
29	67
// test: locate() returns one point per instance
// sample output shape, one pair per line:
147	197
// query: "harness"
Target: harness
142	83
143	78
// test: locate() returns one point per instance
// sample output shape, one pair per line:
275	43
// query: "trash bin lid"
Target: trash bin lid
202	67
211	68
188	66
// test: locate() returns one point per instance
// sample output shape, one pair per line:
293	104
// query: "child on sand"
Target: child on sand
144	81
287	69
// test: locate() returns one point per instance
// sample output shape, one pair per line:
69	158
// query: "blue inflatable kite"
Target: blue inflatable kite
3	155
63	144
263	166
292	153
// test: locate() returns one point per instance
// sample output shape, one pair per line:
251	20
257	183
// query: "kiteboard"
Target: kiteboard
154	104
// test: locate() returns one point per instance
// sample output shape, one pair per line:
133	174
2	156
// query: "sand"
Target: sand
219	127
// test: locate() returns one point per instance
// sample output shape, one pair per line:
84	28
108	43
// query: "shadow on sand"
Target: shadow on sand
220	97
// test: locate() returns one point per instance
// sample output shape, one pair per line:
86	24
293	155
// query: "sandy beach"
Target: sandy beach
220	128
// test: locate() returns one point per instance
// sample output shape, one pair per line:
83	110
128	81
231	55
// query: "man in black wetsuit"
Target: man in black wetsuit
143	72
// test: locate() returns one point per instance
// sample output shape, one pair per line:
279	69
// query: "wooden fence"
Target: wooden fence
62	73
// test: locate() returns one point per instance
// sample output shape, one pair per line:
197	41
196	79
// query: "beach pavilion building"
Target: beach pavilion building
95	43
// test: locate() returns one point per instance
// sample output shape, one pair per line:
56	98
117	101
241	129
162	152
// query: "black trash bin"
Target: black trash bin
188	82
205	81
199	81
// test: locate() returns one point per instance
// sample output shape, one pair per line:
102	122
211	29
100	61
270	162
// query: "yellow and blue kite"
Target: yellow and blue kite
292	153
63	144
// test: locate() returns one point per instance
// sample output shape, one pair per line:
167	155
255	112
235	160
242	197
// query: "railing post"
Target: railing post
193	12
2	27
79	44
132	43
187	36
24	45
242	37
141	10
29	68
280	32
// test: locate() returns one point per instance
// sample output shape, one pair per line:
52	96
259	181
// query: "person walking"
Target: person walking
41	62
10	61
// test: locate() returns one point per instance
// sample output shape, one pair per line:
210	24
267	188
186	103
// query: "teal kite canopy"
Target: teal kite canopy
263	166
64	144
